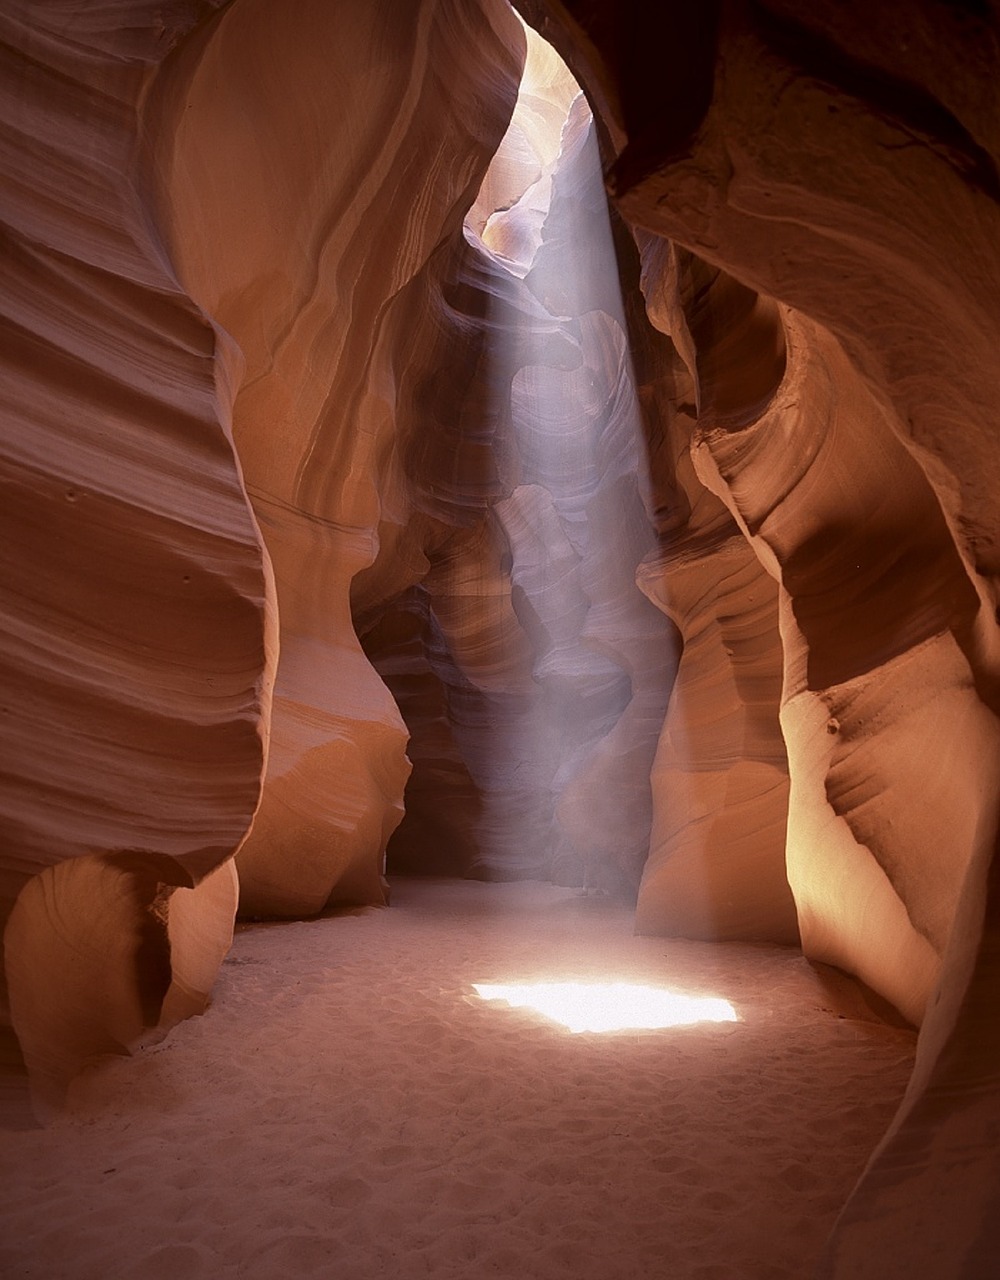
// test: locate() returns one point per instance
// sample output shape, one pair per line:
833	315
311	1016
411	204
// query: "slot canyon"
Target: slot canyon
538	463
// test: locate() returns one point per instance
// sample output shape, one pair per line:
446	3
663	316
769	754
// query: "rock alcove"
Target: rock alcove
272	447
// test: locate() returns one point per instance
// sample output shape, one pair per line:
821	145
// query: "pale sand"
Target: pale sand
349	1108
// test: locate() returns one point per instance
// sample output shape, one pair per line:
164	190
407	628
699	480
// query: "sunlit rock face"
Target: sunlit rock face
134	614
534	674
716	866
875	599
843	160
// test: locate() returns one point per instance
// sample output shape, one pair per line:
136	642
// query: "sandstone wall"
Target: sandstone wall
297	221
844	161
716	867
134	597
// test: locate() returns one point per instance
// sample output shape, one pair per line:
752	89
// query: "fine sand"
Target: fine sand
349	1107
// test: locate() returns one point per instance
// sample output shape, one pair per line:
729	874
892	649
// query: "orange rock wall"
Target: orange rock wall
134	599
716	865
302	252
844	161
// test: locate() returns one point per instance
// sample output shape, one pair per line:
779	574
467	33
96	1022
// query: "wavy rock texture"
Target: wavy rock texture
846	163
875	601
716	865
133	626
310	279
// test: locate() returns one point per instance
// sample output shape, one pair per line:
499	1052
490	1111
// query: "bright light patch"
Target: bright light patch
609	1006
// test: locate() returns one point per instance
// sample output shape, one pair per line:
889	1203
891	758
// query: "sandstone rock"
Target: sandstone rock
846	164
135	604
873	594
305	277
98	953
716	866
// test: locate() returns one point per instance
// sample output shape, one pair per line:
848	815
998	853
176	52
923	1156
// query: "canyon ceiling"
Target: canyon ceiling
650	544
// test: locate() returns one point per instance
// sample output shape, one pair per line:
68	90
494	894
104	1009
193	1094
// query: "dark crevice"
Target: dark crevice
899	101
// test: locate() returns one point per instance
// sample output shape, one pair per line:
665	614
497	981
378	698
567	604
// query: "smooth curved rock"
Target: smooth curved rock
818	194
874	599
830	161
306	278
873	595
99	953
716	865
135	605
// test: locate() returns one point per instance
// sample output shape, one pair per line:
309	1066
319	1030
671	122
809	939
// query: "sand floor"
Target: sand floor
349	1107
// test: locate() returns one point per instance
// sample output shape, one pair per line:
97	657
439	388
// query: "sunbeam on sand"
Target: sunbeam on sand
609	1006
350	1108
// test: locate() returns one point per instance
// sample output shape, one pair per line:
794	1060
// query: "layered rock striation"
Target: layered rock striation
845	163
310	279
134	624
716	865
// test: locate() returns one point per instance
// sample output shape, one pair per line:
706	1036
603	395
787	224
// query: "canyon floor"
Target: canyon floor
349	1107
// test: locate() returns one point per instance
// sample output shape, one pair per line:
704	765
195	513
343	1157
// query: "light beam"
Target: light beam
570	794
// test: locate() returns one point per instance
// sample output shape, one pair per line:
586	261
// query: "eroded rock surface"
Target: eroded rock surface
845	162
716	866
309	277
134	615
